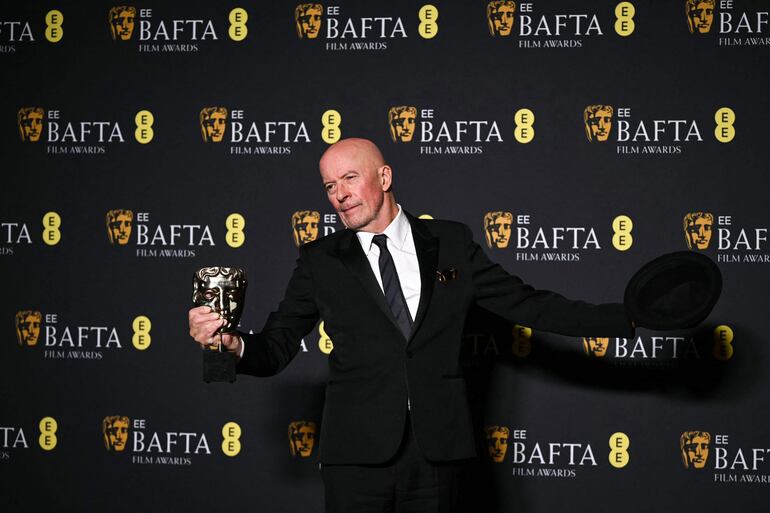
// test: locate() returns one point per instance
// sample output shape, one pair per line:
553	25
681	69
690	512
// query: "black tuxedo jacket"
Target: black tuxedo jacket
373	369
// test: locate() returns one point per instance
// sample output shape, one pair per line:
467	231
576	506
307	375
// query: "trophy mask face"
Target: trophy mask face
308	18
498	226
116	433
700	15
699	231
599	124
119	226
223	289
28	327
301	438
122	22
497	442
695	449
596	346
500	17
31	124
305	224
402	123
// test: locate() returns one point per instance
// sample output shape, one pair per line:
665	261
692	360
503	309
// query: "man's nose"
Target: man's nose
342	193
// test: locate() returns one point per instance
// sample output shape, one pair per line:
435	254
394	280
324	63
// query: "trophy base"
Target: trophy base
219	367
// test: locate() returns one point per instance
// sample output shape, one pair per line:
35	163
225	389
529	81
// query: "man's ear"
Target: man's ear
386	177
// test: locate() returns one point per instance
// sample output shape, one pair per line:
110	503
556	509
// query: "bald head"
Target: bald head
358	184
362	151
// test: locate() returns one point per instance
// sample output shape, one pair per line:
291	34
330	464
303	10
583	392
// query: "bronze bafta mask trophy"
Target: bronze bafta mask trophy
223	289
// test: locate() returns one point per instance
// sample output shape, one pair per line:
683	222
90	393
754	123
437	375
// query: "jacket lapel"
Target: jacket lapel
352	255
427	255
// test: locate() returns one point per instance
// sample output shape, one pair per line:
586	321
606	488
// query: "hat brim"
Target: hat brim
673	291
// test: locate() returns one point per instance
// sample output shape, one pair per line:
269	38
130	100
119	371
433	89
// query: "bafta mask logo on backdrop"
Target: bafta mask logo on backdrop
309	20
497	442
301	438
500	17
697	229
694	446
596	346
30	121
700	15
115	430
497	228
119	226
122	19
213	123
401	120
28	327
598	122
304	226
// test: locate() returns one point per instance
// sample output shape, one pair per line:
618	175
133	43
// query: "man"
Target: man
393	292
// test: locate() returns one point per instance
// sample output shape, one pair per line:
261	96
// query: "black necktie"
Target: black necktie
392	287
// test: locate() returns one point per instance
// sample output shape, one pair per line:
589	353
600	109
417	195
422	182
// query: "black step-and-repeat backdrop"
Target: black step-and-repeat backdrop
577	139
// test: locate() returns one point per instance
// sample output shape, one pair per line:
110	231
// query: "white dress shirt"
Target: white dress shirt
401	247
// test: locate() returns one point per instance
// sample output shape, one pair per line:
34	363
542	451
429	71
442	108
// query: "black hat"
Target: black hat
673	291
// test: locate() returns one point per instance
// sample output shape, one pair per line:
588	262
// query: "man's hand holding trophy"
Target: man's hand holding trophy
219	294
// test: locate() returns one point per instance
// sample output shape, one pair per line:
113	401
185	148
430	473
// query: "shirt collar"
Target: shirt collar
397	231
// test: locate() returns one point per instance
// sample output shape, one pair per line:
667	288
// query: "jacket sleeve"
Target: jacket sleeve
507	296
269	351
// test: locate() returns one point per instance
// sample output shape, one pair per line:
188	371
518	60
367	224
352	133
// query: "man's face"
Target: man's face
120	228
123	24
596	346
28	326
223	295
215	126
699	231
497	443
403	124
310	22
302	439
697	451
500	232
600	124
117	434
701	17
354	188
32	126
306	230
502	20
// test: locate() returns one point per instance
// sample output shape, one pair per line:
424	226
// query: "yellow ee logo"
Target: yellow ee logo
724	131
231	443
425	216
619	443
47	439
428	27
522	343
141	338
53	26
238	29
624	19
235	236
144	132
331	132
723	343
51	225
325	344
622	227
524	131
